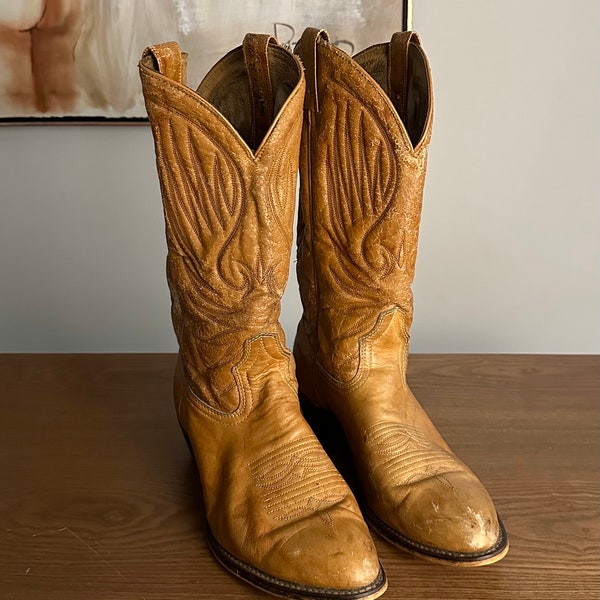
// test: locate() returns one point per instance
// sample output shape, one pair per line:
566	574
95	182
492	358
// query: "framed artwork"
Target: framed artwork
76	60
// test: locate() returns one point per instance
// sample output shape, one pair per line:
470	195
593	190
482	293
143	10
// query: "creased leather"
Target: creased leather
273	498
362	175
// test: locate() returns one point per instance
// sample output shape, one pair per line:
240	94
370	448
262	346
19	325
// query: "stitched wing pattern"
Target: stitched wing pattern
225	285
364	223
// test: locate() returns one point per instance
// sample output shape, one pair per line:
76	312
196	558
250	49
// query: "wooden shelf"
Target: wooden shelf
100	498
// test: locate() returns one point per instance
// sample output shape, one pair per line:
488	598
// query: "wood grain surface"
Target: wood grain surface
100	499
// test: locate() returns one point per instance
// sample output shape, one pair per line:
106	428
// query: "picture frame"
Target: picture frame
75	61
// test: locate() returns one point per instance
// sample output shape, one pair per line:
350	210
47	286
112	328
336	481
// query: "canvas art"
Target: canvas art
77	59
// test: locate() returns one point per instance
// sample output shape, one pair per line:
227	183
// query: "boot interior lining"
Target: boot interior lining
374	61
227	87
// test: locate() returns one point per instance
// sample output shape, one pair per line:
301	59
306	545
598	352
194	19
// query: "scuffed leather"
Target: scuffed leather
362	175
273	498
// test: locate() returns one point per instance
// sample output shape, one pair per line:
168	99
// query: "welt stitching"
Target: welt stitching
430	550
296	586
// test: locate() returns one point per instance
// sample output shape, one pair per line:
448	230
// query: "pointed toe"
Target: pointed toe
452	512
322	559
448	517
338	555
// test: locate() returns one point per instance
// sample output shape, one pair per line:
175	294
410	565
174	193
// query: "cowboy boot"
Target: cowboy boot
279	514
362	167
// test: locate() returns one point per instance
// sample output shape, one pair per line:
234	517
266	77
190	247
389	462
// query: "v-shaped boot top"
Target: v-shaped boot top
394	76
246	93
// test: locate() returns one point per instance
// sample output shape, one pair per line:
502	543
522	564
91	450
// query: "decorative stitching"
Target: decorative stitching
375	88
244	408
412	457
298	479
162	81
365	355
362	171
218	286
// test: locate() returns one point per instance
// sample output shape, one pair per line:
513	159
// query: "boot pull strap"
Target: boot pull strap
306	49
169	60
398	69
256	59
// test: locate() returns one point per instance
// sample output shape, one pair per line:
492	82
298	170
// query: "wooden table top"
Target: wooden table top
100	499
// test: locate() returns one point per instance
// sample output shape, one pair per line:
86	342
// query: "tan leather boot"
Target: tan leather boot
280	516
362	167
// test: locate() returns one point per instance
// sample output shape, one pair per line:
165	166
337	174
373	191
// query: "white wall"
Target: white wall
510	246
509	258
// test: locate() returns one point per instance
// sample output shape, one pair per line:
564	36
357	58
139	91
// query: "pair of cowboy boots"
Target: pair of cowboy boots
280	515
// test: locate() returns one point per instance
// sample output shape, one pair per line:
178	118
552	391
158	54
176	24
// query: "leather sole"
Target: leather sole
331	435
281	587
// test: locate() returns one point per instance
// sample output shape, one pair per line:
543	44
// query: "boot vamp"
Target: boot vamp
423	491
273	498
410	477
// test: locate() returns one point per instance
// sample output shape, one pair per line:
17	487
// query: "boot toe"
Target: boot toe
336	552
452	513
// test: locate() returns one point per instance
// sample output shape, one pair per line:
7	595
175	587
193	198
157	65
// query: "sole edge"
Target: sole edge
287	589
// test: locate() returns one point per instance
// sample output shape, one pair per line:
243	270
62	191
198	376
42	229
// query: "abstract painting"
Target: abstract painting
63	60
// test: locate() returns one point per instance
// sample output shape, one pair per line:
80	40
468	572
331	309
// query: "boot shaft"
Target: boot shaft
227	158
363	161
